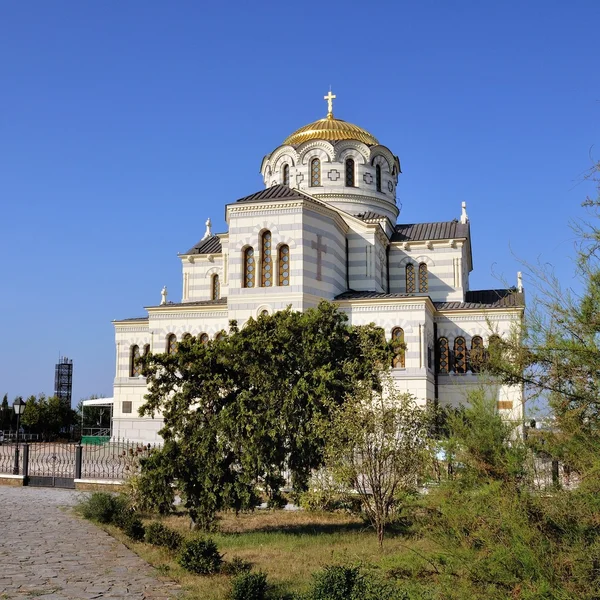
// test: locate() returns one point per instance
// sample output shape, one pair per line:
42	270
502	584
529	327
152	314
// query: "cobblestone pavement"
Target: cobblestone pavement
48	553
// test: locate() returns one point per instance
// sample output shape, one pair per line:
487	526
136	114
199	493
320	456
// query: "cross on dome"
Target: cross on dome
330	98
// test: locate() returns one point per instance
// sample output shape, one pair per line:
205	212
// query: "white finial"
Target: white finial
464	218
519	282
163	295
208	232
330	98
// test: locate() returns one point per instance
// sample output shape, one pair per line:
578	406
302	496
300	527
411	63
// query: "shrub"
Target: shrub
133	528
158	534
236	566
101	507
201	556
249	586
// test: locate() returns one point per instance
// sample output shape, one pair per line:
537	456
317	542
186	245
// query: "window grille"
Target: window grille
249	267
315	172
350	172
266	274
460	355
399	360
410	278
423	278
443	355
284	265
135	368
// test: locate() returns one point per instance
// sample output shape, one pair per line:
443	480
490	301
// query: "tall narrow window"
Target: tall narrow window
286	174
284	265
171	343
266	262
249	267
215	292
220	336
350	172
410	278
443	355
146	349
315	172
134	365
378	177
460	355
399	360
204	338
186	336
476	355
423	276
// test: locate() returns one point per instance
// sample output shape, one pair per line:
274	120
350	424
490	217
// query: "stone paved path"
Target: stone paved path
48	553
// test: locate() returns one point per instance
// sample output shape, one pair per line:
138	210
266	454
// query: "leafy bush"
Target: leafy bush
158	534
236	566
351	583
201	556
101	507
133	528
249	586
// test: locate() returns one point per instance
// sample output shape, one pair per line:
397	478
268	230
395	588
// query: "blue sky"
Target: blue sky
124	125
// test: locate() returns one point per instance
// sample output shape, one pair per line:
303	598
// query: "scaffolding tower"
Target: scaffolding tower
63	380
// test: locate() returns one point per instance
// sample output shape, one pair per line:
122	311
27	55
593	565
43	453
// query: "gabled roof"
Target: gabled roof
277	192
210	245
444	230
503	298
370	217
219	302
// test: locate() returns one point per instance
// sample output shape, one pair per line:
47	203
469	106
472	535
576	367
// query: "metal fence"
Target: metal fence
108	460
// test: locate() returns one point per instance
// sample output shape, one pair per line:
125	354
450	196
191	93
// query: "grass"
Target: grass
287	546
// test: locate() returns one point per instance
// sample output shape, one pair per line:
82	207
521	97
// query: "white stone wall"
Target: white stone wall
198	271
447	266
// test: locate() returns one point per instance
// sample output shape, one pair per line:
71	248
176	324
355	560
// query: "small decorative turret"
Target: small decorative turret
208	232
464	218
163	295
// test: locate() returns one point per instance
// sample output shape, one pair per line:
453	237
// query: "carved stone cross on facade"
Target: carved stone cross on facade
320	248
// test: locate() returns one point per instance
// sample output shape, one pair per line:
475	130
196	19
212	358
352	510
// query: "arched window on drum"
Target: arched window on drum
399	360
286	174
249	268
315	172
284	265
350	172
266	270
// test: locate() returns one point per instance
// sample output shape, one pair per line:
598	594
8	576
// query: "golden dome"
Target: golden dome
330	129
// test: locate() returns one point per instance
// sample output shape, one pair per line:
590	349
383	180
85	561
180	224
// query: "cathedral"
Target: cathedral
325	227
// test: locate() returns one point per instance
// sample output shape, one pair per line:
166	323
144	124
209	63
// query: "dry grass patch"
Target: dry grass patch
288	546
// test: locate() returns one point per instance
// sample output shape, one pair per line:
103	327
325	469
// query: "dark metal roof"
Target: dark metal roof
353	295
219	302
276	192
445	230
370	216
131	319
211	245
481	299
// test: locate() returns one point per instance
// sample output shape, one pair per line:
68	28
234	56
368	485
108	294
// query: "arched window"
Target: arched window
204	338
186	336
350	172
286	174
443	355
264	313
215	292
423	283
378	177
460	355
315	172
476	355
146	349
284	265
171	343
134	365
399	360
410	278
249	267
266	265
220	336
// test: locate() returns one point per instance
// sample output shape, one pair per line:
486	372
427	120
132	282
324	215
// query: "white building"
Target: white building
325	227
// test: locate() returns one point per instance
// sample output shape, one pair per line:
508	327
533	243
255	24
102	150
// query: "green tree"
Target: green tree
48	417
243	409
5	414
378	445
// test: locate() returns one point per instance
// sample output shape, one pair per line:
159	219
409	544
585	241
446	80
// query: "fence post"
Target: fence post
78	460
555	477
25	462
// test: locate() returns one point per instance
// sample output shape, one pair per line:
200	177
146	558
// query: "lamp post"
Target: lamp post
19	408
